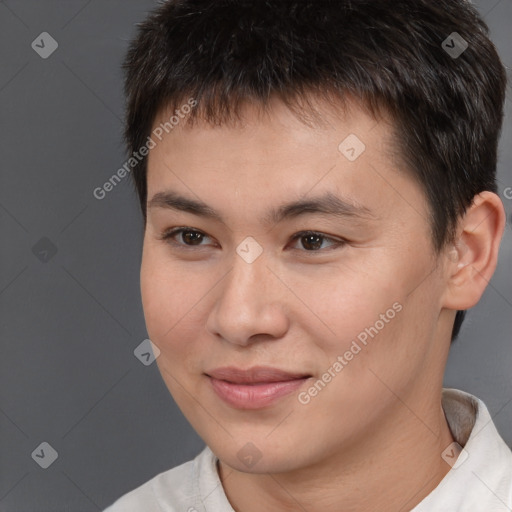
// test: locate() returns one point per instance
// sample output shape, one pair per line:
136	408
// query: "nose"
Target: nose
249	304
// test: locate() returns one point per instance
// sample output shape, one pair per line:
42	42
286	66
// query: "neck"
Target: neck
392	466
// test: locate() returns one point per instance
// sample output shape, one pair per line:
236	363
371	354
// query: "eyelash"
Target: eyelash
168	235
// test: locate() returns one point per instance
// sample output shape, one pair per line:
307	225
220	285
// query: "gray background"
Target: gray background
71	319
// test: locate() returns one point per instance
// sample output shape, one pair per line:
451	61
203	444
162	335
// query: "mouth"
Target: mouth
256	387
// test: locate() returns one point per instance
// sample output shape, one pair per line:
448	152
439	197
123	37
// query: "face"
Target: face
345	293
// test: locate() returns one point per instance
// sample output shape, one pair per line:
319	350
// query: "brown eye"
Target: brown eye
189	237
192	237
312	241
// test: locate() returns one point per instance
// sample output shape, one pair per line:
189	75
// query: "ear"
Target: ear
472	259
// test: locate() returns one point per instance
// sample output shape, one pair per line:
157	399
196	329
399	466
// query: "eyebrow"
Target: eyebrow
327	204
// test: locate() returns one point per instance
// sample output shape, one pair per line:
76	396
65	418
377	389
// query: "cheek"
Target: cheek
370	319
168	297
162	294
344	302
172	299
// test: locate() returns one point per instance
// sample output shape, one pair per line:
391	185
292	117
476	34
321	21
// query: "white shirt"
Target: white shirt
480	479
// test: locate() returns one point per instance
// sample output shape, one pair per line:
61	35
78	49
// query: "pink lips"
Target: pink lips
255	387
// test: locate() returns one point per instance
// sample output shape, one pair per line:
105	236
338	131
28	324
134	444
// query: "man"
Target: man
318	190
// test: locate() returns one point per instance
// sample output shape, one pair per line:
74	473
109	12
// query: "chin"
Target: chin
259	457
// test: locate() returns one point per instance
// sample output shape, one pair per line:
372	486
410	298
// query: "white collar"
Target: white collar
481	478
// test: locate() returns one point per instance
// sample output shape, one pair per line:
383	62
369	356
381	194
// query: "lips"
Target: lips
256	387
254	375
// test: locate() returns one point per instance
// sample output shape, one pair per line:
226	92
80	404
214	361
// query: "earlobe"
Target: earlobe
473	257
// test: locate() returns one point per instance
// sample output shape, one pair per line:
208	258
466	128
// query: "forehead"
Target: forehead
273	138
274	157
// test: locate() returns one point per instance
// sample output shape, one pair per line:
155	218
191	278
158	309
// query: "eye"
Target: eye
190	237
311	241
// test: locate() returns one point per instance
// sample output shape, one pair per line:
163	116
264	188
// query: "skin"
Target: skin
372	438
